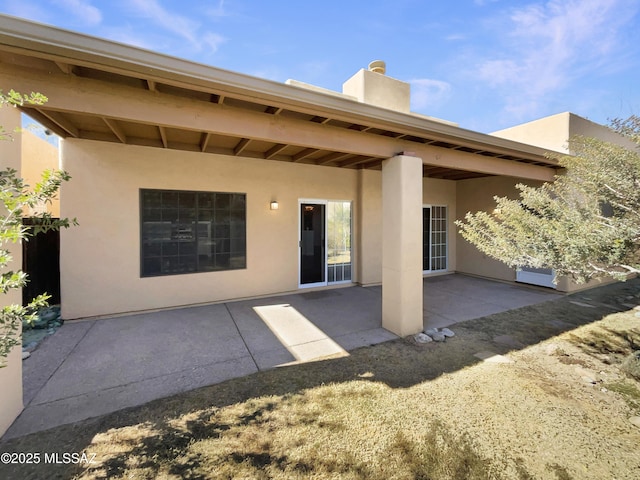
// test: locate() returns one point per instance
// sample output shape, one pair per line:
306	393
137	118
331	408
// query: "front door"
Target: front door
312	244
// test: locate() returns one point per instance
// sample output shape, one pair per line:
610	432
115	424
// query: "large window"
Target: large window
186	232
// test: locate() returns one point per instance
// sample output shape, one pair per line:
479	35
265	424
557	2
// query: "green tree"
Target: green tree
16	201
585	224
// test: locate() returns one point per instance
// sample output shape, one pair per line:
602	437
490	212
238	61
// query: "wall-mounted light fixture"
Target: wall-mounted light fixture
274	205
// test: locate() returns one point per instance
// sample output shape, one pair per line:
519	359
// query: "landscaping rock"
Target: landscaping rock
438	337
431	331
25	355
635	421
447	333
422	338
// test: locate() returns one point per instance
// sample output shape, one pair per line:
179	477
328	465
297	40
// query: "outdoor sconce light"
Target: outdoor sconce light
274	205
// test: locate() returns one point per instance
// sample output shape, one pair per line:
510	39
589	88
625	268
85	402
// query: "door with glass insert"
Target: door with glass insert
434	238
325	242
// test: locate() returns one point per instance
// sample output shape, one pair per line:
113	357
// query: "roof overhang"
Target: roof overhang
102	90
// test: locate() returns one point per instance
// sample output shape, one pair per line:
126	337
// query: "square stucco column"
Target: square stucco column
11	373
402	245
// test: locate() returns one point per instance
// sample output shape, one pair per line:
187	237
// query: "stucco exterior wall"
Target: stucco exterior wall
444	193
39	155
369	227
475	195
554	132
549	132
434	192
11	374
100	259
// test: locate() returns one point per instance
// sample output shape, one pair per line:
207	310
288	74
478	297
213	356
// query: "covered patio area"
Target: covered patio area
96	366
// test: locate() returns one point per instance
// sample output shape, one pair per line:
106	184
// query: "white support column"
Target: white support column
402	245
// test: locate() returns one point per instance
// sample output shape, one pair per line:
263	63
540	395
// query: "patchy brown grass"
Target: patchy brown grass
395	411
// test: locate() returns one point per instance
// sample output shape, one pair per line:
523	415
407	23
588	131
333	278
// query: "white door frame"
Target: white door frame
324	202
317	202
430	207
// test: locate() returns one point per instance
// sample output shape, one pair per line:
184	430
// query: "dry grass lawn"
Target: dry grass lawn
559	409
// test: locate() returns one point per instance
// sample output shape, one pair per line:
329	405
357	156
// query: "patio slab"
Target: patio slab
93	367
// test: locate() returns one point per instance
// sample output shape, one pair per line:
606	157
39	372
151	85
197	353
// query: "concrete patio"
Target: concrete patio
92	367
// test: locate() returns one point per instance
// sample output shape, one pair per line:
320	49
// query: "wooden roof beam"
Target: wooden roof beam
204	141
163	136
333	157
356	161
46	121
116	129
241	146
307	152
66	68
62	122
273	151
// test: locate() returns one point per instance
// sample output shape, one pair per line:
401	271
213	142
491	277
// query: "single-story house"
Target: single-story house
194	184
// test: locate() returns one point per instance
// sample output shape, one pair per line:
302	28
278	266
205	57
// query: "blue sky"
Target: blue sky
485	64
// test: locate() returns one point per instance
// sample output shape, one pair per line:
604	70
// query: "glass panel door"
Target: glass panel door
426	239
312	242
338	242
434	238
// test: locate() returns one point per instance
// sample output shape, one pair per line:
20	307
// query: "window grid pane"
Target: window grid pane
438	238
339	241
185	232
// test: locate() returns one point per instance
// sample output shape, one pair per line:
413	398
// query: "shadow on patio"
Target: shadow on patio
91	368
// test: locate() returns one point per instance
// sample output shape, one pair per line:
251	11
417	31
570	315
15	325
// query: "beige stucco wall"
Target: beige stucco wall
369	227
434	192
39	155
379	89
100	259
475	195
444	193
554	132
11	374
550	132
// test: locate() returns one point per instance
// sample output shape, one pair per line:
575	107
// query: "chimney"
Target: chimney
374	87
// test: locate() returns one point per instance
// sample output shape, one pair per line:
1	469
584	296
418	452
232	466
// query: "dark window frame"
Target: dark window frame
195	232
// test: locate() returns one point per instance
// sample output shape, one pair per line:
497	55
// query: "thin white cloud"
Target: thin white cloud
179	25
218	11
428	93
212	41
82	10
550	44
129	36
